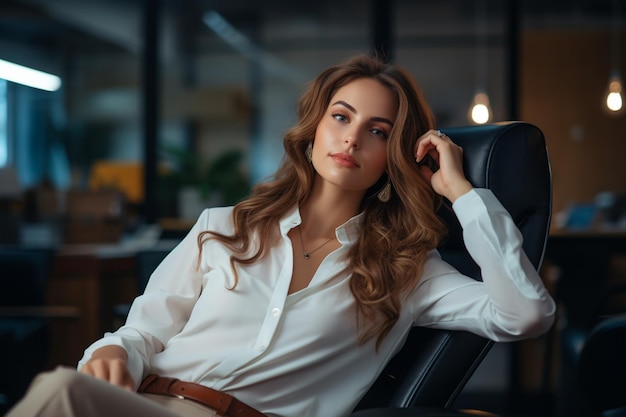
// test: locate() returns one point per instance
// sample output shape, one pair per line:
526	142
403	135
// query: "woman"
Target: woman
295	299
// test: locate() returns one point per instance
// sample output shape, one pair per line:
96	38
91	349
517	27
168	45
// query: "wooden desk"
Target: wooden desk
92	278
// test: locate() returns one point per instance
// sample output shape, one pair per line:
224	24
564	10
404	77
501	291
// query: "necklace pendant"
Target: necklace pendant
306	255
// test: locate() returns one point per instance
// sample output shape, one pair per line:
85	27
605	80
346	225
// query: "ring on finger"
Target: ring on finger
440	133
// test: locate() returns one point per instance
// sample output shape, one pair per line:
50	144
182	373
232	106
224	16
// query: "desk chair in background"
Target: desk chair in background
25	319
602	368
146	261
23	337
592	355
427	375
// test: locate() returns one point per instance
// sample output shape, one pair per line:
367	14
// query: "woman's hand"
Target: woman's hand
449	180
109	363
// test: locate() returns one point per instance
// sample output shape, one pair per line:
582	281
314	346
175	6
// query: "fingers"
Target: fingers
118	375
113	371
431	143
446	173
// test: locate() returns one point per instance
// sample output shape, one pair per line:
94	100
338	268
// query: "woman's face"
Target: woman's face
350	147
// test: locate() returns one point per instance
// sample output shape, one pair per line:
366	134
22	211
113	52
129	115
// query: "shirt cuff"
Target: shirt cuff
478	200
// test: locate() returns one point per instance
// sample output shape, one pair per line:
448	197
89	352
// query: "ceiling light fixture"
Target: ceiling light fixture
614	95
27	76
480	109
242	44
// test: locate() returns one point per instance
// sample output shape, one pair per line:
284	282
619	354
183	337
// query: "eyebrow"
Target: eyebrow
353	110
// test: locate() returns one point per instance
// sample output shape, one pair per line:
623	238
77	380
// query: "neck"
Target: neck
326	209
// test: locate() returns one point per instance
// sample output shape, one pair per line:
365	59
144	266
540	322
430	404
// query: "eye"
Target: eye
340	117
380	133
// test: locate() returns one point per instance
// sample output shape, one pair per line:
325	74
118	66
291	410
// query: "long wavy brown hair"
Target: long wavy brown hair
388	258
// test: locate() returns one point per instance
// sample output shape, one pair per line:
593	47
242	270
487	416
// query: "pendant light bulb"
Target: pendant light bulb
614	94
480	111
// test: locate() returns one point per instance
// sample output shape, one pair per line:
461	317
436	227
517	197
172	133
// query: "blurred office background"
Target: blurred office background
142	82
163	107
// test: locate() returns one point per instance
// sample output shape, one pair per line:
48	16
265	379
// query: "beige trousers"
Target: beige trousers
65	392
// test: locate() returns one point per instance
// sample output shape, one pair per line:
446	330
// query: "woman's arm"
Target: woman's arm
155	316
510	303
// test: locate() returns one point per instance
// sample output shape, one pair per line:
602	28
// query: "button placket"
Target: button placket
276	304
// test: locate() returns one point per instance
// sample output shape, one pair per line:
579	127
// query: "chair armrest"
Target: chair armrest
420	412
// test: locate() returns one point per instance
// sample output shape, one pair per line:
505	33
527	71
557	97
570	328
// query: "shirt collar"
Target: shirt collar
346	233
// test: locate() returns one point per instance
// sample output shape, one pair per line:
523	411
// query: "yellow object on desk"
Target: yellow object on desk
126	177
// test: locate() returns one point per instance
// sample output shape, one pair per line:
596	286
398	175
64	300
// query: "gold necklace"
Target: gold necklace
307	254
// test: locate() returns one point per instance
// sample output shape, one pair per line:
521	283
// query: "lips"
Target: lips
344	159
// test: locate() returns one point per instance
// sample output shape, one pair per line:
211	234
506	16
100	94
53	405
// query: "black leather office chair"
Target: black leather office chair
427	375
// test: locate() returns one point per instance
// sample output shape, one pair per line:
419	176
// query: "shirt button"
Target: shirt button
275	311
261	347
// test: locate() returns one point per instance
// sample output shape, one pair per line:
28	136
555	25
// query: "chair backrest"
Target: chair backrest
510	159
24	276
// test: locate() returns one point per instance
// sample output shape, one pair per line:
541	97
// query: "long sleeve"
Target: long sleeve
510	303
164	308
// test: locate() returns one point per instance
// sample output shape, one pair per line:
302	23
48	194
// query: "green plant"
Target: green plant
224	174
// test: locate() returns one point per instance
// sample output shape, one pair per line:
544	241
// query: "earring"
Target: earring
385	194
308	152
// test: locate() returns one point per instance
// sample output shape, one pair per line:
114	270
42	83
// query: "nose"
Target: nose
352	139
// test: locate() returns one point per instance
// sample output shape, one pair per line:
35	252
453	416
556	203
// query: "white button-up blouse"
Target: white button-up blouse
298	355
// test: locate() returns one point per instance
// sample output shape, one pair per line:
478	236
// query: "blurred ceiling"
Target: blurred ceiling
113	25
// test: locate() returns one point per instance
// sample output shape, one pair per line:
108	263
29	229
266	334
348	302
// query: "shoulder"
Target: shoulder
219	219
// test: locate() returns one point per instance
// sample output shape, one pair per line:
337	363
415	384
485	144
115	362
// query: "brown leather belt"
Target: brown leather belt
224	404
